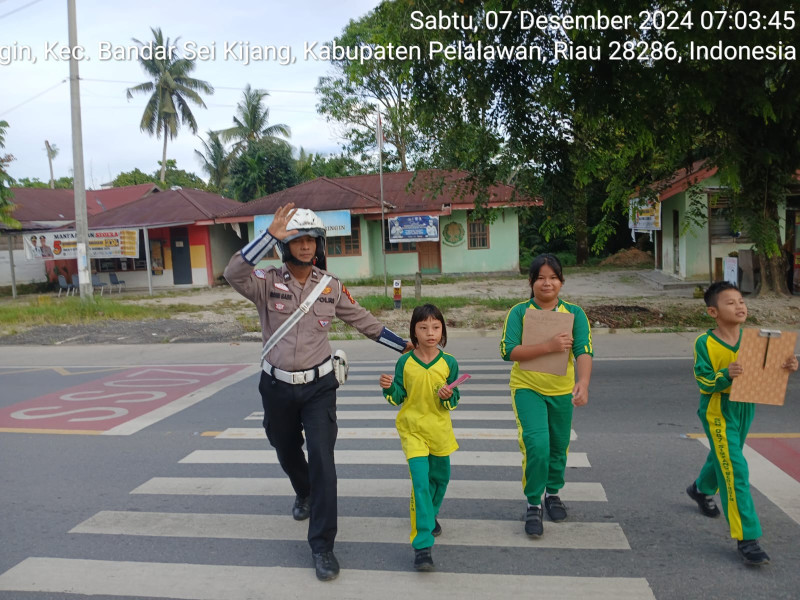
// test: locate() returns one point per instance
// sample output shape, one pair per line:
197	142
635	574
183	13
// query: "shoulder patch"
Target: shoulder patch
347	293
260	273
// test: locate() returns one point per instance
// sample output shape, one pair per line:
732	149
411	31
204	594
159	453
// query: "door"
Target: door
676	242
181	258
430	257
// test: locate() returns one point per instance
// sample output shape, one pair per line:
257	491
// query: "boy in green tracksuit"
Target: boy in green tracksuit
420	385
726	423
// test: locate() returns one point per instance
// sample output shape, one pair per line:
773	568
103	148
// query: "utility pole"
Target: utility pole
79	188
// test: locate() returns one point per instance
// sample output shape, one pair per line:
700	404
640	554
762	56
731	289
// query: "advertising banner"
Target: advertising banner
62	245
419	228
644	216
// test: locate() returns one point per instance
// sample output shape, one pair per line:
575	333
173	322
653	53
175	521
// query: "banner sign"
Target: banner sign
644	215
337	223
420	228
62	245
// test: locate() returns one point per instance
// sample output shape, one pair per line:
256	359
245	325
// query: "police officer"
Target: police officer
298	386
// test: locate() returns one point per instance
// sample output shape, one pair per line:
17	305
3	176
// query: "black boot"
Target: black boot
302	508
326	565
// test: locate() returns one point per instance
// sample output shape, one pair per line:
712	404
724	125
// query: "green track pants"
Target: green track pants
429	478
544	424
726	425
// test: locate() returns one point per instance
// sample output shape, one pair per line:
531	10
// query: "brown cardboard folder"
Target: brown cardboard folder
540	326
761	354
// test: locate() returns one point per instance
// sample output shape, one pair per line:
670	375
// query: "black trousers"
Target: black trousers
290	410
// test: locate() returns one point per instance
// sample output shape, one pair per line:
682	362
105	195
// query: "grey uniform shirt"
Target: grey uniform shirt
277	294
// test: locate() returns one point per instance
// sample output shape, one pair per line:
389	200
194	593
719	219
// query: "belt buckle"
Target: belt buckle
298	377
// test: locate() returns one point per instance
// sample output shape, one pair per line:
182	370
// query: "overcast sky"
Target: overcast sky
34	97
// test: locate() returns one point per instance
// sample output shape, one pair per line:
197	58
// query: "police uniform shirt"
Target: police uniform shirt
277	294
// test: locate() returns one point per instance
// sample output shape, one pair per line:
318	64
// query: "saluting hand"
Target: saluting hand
283	215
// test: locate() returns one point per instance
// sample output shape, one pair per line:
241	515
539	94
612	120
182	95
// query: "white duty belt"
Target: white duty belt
298	377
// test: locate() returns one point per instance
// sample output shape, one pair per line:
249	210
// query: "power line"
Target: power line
11	12
23	103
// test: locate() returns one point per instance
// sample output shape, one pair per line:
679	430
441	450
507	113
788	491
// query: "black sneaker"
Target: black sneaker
301	509
437	529
326	565
706	503
555	508
533	522
423	560
751	552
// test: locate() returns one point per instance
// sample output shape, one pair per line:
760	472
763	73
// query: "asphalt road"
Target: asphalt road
78	516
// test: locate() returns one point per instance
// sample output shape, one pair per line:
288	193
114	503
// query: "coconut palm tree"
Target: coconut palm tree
3	127
215	160
251	122
170	92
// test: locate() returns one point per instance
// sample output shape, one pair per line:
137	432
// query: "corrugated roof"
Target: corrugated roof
42	208
172	207
682	179
403	192
98	201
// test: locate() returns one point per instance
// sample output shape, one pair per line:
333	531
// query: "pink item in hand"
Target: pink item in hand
459	381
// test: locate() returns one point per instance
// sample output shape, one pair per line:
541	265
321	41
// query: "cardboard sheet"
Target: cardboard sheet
761	355
540	326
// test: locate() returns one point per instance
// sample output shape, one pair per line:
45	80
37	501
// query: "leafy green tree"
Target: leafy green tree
264	167
134	177
171	90
251	122
62	183
353	94
6	204
216	161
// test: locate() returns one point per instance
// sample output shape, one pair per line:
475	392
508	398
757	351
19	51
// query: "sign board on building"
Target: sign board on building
337	222
419	228
644	215
62	245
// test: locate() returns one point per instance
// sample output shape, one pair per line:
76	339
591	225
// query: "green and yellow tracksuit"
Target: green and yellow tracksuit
543	403
726	425
426	433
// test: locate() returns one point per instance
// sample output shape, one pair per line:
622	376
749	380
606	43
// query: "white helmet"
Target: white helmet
306	222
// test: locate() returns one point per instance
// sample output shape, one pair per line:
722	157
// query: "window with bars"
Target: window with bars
396	248
347	245
719	223
477	234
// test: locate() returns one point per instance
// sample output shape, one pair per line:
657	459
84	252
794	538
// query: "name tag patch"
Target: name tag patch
280	296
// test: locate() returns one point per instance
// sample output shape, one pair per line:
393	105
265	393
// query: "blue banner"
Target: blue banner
337	222
420	228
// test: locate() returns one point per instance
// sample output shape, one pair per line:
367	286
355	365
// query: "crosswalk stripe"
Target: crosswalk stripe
468	389
389	530
372	433
384	415
503	400
211	582
357	488
372	457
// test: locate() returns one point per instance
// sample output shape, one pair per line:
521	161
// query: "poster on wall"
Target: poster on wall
418	228
62	245
644	215
157	257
